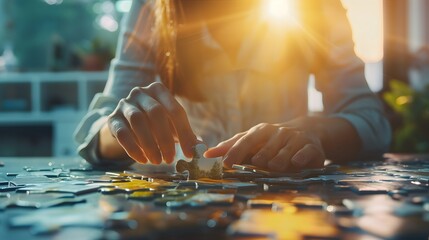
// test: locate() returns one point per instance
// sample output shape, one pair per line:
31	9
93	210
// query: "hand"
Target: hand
148	122
273	147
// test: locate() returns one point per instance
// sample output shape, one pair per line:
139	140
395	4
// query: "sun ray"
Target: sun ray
280	12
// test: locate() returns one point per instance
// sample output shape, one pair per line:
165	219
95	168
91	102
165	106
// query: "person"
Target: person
234	74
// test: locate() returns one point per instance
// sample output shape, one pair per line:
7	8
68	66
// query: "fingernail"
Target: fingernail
142	161
225	165
189	152
168	160
205	153
154	160
157	160
226	161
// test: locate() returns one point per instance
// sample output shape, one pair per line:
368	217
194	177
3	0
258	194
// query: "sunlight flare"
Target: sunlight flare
280	12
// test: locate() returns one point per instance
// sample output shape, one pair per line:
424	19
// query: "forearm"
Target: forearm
339	138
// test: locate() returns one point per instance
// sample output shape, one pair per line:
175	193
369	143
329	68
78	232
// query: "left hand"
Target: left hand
273	147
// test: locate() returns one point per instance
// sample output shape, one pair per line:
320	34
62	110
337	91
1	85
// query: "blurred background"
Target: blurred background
54	56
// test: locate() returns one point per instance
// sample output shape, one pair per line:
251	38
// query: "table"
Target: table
368	200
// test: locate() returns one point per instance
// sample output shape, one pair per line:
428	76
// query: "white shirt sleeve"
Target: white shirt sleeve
340	77
86	134
133	66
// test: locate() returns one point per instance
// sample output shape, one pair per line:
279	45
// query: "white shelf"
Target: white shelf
52	76
40	117
58	99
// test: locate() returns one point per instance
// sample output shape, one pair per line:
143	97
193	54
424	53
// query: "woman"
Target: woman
234	71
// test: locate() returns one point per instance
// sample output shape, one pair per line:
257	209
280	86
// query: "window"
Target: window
366	19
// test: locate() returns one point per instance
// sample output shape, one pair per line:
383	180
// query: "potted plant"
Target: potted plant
412	134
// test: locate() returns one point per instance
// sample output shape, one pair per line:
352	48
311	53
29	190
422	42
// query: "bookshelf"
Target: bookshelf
39	111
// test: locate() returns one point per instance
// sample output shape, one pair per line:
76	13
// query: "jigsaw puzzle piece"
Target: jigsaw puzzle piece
281	201
195	168
29	180
9	186
136	185
62	187
305	173
288	181
38	200
54	219
284	224
208	183
196	200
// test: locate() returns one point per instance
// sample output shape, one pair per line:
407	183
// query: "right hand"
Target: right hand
148	122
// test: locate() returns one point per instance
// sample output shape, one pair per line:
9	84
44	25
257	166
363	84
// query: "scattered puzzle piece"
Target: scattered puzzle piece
196	200
62	187
194	169
208	183
38	200
54	219
28	180
135	185
305	173
171	208
285	224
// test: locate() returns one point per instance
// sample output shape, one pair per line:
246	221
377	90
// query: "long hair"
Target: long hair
165	30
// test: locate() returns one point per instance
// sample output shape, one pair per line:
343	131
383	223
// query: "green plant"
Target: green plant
413	107
95	54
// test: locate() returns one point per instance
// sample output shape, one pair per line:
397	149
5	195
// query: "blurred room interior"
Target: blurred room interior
54	56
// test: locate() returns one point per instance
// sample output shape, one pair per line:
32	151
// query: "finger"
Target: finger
248	144
272	147
140	125
223	147
281	161
159	122
177	116
310	156
125	138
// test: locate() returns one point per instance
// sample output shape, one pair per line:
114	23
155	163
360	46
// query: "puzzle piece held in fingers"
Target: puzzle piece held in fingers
195	169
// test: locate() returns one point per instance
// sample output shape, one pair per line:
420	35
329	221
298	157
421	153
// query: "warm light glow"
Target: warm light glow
403	100
315	98
280	11
366	19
